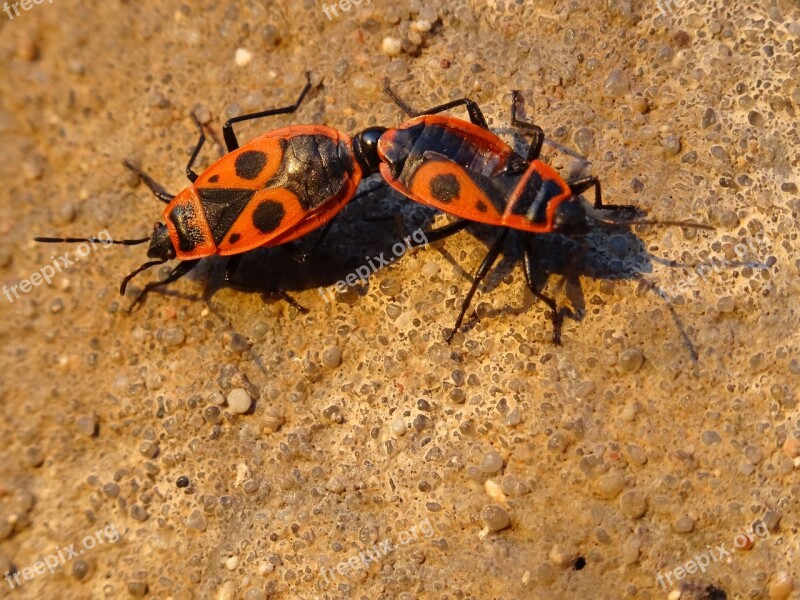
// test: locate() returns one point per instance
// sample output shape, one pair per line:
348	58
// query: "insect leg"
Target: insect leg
154	187
475	114
483	270
227	130
535	149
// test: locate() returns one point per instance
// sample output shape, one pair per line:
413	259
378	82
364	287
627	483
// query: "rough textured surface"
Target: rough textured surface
499	467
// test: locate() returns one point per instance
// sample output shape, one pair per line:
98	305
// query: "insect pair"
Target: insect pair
291	181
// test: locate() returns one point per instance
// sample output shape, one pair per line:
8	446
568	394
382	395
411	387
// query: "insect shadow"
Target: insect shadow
605	253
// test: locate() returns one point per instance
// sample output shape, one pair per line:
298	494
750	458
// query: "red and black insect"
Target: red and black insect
274	189
464	169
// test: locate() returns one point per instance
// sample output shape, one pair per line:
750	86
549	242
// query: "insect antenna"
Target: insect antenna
72	240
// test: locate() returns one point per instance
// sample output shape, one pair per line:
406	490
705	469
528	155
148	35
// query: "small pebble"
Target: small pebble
391	46
683	525
174	336
671	144
726	304
335	485
243	57
137	589
492	462
584	140
80	569
227	591
260	330
494	490
560	556
633	503
239	401
87	425
390	287
139	513
495	517
781	586
196	521
396	69
33	456
399	427
232	563
610	485
753	454
631	360
630	550
791	447
617	83
421	422
148	449
182	481
430	268
729	219
332	357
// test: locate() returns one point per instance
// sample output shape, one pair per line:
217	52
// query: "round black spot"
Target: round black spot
481	206
249	164
268	215
444	187
235	237
182	482
213	179
580	562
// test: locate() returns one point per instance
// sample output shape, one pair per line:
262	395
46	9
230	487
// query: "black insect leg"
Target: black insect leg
535	149
304	256
189	173
227	129
446	231
157	189
475	114
529	264
230	268
579	186
483	270
179	271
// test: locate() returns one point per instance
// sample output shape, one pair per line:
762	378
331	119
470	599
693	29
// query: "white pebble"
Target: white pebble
391	46
399	427
494	491
243	57
239	401
232	563
227	591
421	25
